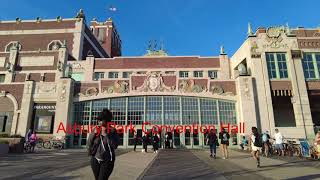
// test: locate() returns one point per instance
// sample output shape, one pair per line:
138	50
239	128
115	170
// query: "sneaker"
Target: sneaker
223	158
156	151
211	155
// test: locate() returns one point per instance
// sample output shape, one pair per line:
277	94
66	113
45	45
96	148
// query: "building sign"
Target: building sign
43	117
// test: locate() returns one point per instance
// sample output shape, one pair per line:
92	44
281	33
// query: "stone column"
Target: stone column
88	76
63	106
225	67
26	108
246	102
300	101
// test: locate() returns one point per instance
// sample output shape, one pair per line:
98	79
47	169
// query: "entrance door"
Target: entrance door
176	140
195	137
187	138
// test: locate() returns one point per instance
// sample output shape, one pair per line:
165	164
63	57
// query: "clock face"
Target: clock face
153	83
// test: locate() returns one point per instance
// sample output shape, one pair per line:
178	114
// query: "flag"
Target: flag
113	9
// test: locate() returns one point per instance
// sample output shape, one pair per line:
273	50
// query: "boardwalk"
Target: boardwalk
179	164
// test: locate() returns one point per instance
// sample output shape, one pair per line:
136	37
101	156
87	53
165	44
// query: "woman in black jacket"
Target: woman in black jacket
102	147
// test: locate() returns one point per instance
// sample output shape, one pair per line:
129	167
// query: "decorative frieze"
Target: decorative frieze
189	86
117	87
154	83
92	91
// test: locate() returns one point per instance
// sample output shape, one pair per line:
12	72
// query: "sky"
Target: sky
186	27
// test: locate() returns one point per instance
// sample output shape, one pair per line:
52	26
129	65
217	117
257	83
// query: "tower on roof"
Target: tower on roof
108	36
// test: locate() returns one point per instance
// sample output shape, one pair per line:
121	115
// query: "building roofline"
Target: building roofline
150	57
34	20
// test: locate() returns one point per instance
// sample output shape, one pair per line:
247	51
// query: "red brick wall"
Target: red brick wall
20	77
157	62
280	85
169	80
309	43
34	42
49	77
313	85
33	25
35	77
16	90
137	81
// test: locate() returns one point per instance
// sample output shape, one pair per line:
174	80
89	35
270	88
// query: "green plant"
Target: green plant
4	142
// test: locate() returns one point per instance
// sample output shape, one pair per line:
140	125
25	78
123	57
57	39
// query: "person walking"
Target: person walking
266	143
102	147
224	137
256	145
33	140
135	141
145	141
212	140
279	142
155	143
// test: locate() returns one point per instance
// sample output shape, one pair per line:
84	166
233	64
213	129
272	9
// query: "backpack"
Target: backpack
265	137
257	140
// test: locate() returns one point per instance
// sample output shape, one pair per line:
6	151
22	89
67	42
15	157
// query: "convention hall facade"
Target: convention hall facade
59	72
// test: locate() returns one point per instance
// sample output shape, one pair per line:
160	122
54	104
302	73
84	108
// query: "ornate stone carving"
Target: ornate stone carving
117	87
246	89
92	91
274	38
63	92
217	90
254	52
47	88
76	66
189	86
154	82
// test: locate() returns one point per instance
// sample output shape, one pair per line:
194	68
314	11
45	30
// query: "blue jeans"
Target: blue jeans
213	147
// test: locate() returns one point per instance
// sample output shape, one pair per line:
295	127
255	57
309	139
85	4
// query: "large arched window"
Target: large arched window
167	110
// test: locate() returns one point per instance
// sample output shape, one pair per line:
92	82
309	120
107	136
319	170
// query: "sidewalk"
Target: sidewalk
241	165
127	166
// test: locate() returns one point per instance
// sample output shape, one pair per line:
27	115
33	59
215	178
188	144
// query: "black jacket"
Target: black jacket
102	147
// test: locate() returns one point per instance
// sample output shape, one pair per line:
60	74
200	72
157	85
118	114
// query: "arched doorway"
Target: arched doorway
6	114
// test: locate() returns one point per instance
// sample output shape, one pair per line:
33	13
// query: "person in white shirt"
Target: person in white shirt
279	142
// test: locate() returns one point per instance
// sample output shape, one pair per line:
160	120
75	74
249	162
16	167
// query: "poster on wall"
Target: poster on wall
43	116
44	123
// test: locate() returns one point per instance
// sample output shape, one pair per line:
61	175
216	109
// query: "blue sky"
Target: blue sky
187	27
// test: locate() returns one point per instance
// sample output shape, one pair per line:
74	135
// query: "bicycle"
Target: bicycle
54	143
39	143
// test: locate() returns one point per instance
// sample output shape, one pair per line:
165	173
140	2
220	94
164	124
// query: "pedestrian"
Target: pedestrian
256	145
244	142
33	140
28	135
102	145
279	142
167	141
224	137
135	141
145	142
317	144
155	143
266	143
212	140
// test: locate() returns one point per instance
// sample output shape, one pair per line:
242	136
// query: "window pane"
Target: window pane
171	110
308	66
190	113
2	78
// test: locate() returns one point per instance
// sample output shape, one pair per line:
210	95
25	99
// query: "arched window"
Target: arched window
13	45
54	45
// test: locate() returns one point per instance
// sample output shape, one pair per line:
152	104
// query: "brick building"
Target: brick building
61	71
